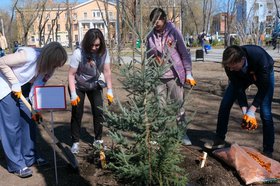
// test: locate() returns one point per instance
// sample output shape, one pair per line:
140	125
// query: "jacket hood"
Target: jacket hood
167	28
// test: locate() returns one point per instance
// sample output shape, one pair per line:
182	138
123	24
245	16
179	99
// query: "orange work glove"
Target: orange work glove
37	117
190	80
249	121
110	96
16	89
75	99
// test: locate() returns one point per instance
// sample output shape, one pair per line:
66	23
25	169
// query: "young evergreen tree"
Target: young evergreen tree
146	138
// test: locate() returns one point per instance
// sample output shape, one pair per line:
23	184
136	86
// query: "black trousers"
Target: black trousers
96	101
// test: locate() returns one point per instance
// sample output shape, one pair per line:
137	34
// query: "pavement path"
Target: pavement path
214	55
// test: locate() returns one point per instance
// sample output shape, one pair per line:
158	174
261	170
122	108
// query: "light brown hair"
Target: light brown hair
52	55
232	54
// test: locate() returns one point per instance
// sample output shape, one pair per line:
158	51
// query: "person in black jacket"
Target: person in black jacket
244	66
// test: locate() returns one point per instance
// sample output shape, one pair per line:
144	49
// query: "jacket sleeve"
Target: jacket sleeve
262	82
12	60
235	81
260	68
242	98
150	47
183	51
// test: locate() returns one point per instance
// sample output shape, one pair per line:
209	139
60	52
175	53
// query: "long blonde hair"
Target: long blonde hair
53	55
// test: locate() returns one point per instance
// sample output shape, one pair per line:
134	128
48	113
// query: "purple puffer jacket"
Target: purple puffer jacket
171	41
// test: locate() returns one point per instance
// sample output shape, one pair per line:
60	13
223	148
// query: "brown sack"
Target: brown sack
251	165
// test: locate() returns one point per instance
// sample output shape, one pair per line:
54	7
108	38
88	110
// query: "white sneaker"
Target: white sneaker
186	140
97	143
75	148
217	143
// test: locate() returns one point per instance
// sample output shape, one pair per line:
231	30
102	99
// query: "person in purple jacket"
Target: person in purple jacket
164	41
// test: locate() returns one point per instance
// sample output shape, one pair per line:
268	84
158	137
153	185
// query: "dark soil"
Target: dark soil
204	99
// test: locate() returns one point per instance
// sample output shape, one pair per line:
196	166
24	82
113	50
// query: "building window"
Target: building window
98	25
75	27
42	39
85	25
32	38
58	27
76	38
49	27
58	38
256	7
110	15
74	16
85	15
96	14
270	6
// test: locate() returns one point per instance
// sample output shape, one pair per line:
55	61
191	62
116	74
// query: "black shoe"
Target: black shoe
23	173
274	48
41	162
217	143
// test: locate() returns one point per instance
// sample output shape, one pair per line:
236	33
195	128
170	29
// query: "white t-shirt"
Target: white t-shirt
24	72
76	58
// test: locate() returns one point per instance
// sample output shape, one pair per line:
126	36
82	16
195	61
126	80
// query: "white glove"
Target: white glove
16	87
190	80
75	99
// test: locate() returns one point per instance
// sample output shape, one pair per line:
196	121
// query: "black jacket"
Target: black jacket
260	65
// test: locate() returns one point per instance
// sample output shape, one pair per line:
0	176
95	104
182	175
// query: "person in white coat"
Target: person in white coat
19	73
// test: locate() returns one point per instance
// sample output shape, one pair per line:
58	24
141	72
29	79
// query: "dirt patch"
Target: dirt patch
204	99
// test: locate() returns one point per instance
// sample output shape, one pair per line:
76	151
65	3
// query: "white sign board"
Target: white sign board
50	98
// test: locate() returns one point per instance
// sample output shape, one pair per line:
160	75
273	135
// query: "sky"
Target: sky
5	4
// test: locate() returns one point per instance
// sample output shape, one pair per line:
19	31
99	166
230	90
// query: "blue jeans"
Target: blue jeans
231	94
17	132
203	46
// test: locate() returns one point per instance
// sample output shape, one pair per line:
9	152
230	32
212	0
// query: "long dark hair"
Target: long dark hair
89	39
157	14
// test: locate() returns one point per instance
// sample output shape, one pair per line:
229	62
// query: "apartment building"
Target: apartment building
53	24
260	14
256	16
